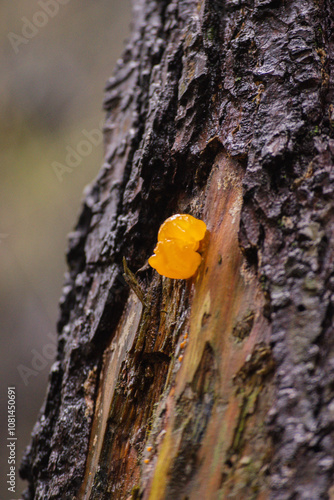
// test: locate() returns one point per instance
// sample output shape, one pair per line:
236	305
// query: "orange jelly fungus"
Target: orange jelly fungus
175	254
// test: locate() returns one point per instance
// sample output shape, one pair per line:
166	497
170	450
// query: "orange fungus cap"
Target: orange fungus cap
175	254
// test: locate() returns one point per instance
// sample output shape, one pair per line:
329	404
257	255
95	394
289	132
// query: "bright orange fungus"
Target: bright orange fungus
175	254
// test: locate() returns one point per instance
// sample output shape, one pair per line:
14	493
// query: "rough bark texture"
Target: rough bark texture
223	110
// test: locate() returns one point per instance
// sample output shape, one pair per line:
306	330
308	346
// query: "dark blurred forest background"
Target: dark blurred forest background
54	67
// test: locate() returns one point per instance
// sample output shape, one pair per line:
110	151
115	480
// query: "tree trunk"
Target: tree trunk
220	386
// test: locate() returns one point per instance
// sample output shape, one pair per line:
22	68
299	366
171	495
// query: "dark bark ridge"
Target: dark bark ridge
252	79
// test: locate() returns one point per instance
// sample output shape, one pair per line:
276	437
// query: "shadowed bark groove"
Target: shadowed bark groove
221	386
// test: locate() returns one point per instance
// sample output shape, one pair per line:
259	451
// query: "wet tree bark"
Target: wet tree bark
221	386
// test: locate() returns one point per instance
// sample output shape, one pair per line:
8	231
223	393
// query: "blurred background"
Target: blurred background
56	56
